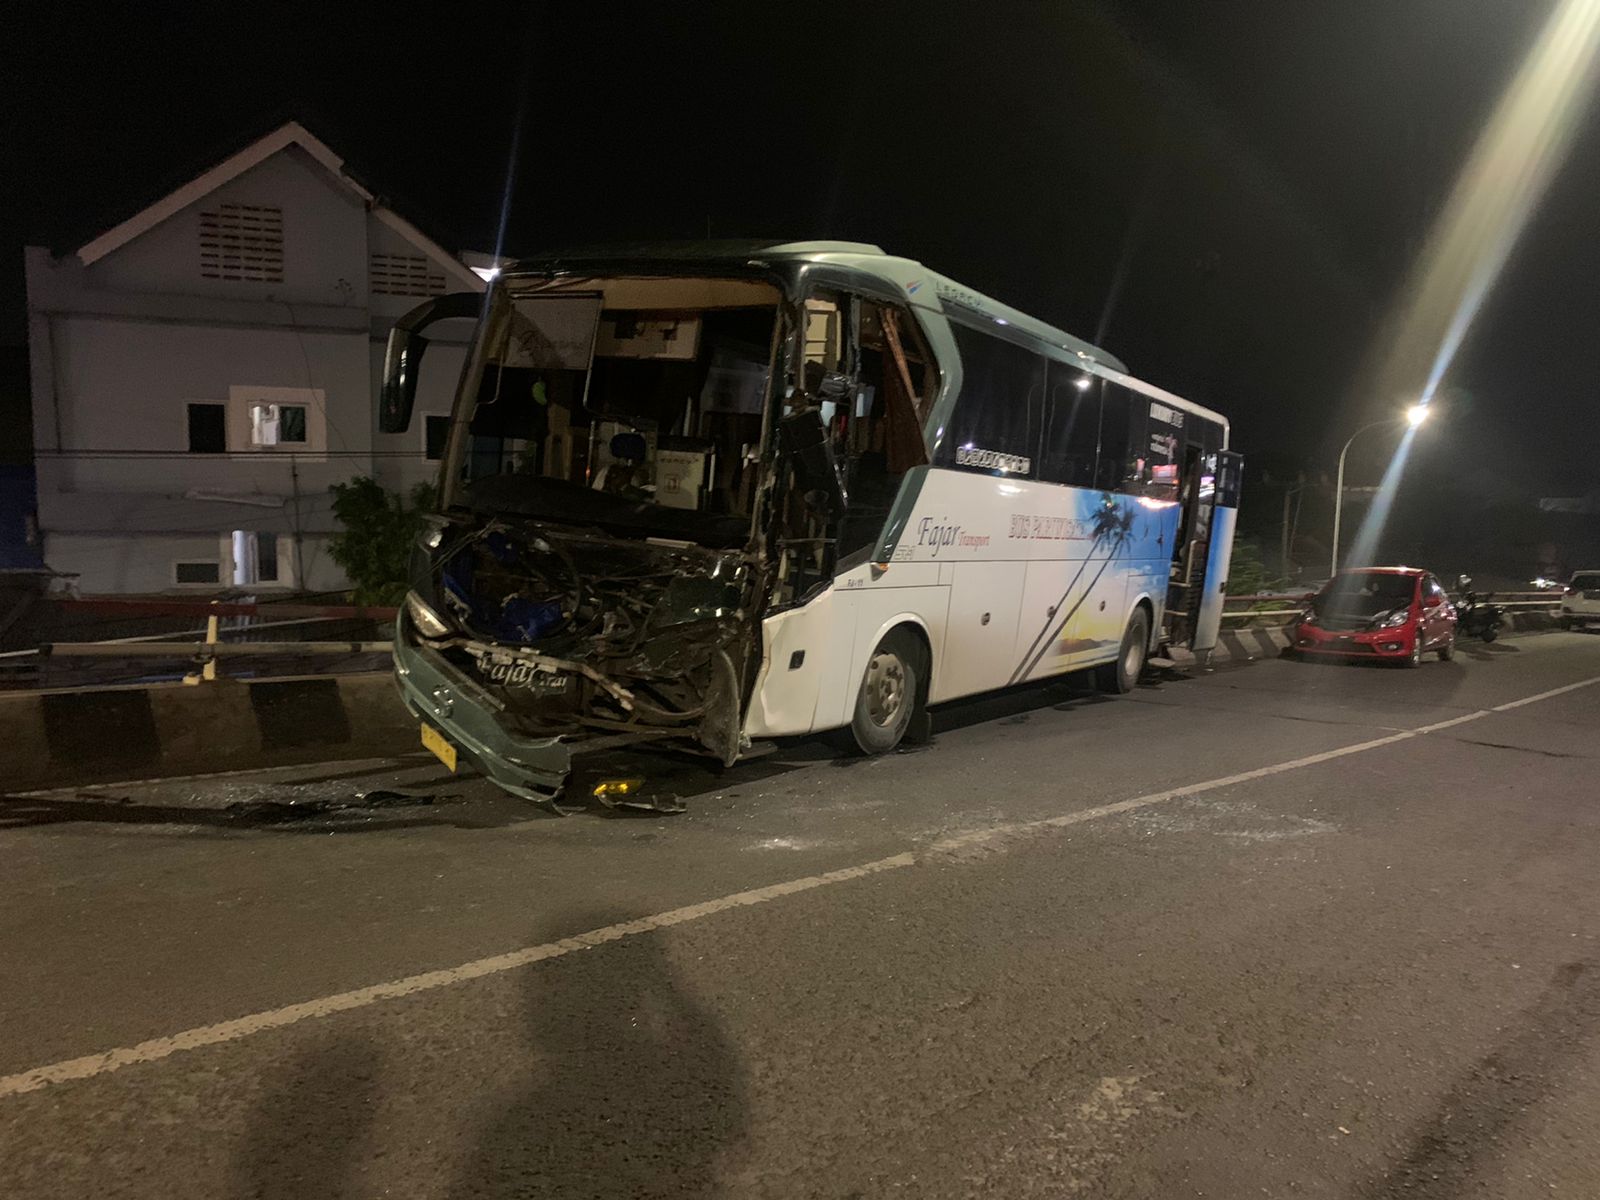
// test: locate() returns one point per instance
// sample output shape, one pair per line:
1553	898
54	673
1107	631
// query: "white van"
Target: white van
1580	603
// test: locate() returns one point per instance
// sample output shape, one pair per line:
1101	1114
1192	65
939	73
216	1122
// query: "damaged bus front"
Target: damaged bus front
597	569
700	498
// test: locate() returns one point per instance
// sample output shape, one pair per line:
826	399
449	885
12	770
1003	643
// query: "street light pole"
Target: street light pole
1414	417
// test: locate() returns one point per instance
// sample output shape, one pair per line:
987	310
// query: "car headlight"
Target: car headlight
428	623
1398	617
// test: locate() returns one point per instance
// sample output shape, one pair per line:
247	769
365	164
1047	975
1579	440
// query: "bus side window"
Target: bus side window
880	435
1071	427
1119	463
995	427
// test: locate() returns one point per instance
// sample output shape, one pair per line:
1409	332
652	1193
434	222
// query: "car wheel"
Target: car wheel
890	694
1414	659
1121	675
1448	650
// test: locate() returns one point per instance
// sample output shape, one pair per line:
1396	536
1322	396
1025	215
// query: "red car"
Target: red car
1396	613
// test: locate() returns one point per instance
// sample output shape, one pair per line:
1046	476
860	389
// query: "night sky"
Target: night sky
1226	195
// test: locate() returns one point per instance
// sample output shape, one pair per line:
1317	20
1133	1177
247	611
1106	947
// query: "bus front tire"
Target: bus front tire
890	701
1121	675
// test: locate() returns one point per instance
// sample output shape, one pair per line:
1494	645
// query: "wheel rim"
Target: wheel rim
886	689
1132	658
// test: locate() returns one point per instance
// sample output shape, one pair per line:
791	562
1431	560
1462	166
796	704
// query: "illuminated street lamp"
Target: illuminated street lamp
1414	417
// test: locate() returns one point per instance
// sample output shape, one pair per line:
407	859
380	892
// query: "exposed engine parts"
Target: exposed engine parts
647	635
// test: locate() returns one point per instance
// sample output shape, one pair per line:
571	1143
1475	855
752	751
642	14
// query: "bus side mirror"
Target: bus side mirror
805	442
402	361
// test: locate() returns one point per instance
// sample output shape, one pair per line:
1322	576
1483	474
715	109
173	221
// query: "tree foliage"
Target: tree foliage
1247	571
374	548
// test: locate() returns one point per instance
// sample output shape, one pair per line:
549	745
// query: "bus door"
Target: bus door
1209	546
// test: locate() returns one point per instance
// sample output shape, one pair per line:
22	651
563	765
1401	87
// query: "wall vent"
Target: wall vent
242	241
405	275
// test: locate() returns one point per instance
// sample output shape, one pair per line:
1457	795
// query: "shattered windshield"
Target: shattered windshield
631	403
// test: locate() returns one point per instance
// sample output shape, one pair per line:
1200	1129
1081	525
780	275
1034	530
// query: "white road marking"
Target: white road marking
1560	691
91	1065
227	1031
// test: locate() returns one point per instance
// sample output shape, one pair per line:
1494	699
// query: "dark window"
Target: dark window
291	423
208	429
995	427
1120	462
435	432
197	572
1071	427
266	558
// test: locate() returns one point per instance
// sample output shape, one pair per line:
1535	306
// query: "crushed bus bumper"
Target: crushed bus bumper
534	768
540	660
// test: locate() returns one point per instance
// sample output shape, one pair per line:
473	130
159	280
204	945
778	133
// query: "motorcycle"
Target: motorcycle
1475	616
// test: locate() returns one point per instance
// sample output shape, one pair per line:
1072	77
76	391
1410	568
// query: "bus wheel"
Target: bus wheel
1120	676
891	690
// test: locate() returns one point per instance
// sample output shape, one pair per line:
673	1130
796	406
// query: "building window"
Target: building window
436	430
242	241
404	275
266	558
208	428
191	573
277	424
254	556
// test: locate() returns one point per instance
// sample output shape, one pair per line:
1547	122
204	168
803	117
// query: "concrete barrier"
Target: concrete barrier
72	737
67	738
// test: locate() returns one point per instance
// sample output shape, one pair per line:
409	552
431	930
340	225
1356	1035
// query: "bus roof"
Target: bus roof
920	286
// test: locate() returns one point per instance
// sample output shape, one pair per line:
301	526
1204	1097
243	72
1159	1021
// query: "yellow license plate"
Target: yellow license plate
434	740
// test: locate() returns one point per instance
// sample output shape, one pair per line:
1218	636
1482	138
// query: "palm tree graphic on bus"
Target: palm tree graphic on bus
1112	525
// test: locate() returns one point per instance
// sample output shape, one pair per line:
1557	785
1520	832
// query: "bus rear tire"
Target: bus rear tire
1120	676
890	700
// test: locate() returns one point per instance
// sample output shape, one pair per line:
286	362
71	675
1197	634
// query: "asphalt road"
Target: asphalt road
1284	930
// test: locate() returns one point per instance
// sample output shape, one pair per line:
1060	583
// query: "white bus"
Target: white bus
705	496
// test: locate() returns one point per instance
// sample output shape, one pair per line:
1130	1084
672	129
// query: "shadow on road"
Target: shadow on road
1469	1128
625	1086
309	1134
1486	651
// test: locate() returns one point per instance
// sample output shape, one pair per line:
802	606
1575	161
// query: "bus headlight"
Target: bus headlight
428	623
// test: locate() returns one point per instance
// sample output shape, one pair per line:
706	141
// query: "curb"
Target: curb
70	738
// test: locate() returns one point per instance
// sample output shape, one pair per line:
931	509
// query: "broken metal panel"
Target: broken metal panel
572	635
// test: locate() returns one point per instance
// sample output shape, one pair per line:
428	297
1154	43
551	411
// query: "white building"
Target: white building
203	372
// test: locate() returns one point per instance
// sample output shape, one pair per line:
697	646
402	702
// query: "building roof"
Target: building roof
290	133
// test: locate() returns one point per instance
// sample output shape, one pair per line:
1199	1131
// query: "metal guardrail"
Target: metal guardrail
1292	603
198	650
